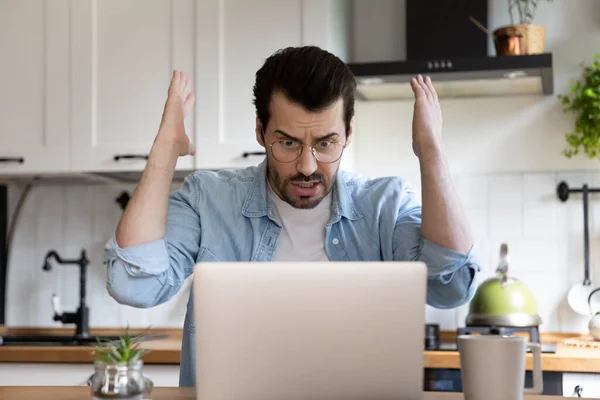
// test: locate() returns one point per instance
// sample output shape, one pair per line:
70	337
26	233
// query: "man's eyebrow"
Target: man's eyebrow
287	135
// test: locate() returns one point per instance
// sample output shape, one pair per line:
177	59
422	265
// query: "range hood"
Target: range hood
444	43
457	77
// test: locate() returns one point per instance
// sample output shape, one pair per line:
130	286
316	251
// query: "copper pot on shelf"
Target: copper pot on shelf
520	39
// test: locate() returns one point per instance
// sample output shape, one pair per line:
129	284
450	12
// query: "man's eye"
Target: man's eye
325	144
289	143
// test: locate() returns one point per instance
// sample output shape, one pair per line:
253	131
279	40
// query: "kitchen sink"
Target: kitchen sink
54	340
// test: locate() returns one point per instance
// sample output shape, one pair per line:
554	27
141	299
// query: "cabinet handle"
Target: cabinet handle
130	156
578	390
253	153
19	160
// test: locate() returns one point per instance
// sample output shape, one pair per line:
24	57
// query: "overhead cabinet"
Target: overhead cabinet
123	54
235	37
85	82
34	86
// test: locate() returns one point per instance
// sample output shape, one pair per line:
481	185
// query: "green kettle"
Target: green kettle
503	300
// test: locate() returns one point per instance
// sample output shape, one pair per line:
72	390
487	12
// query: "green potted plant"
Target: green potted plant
521	36
584	103
118	369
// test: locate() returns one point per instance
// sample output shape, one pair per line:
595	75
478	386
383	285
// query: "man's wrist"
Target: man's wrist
164	154
431	153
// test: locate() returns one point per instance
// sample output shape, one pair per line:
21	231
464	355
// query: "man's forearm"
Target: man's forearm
145	217
444	221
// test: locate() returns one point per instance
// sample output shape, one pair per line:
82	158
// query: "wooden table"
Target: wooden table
159	393
168	351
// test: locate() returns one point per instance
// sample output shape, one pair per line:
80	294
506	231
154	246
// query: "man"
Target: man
295	205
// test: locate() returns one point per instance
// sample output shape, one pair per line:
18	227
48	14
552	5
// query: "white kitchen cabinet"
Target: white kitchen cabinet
234	37
86	81
123	54
34	86
73	374
588	383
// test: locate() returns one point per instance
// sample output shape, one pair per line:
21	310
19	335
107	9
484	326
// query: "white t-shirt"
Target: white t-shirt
303	230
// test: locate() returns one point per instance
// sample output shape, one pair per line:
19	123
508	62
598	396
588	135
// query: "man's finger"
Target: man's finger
417	89
431	88
425	88
184	82
187	104
175	80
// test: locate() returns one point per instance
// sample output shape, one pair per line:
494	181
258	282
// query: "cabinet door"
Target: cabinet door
234	37
587	384
71	374
123	54
34	86
45	374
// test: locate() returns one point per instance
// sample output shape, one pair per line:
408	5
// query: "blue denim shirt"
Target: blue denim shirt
226	216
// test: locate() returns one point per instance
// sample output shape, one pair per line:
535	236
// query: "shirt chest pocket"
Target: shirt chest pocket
205	255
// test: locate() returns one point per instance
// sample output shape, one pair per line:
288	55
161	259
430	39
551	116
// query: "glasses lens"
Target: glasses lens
286	150
328	151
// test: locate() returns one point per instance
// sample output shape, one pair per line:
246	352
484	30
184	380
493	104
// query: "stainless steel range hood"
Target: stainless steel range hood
395	40
457	77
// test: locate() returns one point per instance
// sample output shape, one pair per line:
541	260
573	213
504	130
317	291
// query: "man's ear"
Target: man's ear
259	132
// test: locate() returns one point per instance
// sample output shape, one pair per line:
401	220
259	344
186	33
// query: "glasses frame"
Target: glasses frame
312	148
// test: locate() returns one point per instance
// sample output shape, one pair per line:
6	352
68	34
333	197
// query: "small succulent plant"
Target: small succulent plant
125	350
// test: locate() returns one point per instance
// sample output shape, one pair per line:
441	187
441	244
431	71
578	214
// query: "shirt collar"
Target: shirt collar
257	203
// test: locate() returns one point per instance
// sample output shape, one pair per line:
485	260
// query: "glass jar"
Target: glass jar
119	381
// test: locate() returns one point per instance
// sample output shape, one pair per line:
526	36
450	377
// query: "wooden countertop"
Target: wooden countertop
163	393
550	362
168	351
163	351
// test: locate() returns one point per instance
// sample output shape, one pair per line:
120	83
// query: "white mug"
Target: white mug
493	367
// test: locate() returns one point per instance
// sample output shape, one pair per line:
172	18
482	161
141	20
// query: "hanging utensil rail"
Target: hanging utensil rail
563	191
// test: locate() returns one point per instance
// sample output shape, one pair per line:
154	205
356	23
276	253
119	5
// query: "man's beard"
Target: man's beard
280	186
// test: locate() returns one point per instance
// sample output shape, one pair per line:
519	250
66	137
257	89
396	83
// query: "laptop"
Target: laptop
309	330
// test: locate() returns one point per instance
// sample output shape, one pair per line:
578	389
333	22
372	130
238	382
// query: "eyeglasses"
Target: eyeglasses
289	150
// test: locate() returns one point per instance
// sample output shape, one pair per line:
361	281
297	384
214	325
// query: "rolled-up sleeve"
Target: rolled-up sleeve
151	273
451	274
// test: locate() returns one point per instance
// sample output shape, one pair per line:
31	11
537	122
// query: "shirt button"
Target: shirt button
335	241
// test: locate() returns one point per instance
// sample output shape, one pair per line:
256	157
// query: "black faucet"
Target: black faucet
81	317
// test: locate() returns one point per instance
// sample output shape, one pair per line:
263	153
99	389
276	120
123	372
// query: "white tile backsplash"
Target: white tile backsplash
472	190
538	188
505	222
505	190
69	218
479	219
544	235
540	221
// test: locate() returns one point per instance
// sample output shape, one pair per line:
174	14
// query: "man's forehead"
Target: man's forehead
280	103
289	116
314	134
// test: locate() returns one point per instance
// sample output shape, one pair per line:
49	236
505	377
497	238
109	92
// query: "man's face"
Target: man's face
304	182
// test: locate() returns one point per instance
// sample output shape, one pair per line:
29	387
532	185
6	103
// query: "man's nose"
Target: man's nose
306	163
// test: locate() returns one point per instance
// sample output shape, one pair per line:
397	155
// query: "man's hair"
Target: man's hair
309	76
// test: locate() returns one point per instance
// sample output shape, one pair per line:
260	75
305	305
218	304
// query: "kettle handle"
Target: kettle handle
504	252
590	299
503	265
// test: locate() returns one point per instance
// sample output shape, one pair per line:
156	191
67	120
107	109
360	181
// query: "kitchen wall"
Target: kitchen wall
504	154
507	200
